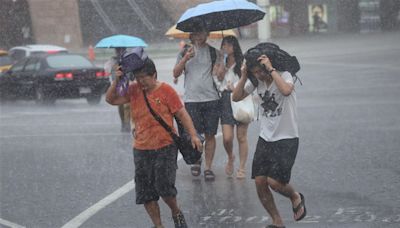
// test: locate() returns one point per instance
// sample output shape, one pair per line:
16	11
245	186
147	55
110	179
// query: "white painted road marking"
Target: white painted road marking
10	224
85	215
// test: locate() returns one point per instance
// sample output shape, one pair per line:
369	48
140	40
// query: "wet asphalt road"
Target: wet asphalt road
68	165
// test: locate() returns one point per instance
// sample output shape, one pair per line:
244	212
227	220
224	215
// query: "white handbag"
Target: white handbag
243	111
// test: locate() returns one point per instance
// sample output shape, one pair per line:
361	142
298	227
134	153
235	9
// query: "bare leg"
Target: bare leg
288	191
121	113
209	150
153	210
172	204
243	144
267	200
227	132
127	113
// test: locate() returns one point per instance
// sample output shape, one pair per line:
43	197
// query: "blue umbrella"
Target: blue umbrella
120	41
220	15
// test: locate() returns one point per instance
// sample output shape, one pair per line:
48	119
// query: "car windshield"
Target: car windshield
5	60
63	61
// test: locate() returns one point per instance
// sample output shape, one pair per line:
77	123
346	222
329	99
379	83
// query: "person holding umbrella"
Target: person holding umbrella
199	92
120	43
201	96
111	67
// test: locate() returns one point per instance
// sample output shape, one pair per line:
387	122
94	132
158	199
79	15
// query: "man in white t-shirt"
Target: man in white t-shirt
279	138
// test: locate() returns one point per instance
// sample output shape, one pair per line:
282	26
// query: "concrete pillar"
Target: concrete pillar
264	25
56	22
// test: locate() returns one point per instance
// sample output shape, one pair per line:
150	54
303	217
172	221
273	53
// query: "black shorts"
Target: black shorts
275	159
155	173
226	110
205	116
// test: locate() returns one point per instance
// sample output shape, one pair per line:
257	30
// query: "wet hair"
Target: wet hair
252	62
252	56
148	68
237	53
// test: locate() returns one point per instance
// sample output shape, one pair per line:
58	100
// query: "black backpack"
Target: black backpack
280	59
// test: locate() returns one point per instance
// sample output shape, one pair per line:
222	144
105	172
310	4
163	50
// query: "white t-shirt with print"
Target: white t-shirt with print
281	123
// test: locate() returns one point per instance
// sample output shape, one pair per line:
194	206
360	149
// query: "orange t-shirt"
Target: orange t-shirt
149	134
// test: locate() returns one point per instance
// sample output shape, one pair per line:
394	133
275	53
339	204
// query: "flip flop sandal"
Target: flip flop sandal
195	170
301	205
229	167
241	174
209	175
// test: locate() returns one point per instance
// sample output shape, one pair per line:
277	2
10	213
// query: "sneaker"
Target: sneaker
179	220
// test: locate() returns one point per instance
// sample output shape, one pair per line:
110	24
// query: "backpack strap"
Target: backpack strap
213	55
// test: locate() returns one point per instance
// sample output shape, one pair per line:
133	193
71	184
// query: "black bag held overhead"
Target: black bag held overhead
280	59
190	155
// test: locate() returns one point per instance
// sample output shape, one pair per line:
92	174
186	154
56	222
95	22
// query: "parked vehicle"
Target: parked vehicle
20	52
46	78
5	61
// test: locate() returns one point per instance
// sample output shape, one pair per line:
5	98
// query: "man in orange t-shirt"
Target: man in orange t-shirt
155	153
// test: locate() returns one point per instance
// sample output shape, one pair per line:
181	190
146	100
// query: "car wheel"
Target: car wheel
42	98
93	99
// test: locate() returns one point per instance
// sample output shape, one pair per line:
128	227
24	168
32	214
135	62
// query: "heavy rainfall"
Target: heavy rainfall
315	142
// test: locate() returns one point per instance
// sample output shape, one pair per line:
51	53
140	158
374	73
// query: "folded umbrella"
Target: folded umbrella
131	60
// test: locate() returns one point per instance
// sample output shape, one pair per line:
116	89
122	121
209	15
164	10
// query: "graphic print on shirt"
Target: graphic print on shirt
269	105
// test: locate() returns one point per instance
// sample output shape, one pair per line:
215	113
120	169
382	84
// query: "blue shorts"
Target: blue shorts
205	116
275	159
155	173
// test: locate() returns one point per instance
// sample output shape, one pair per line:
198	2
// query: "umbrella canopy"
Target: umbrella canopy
220	15
175	33
120	41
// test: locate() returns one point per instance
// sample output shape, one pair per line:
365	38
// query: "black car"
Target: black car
49	77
